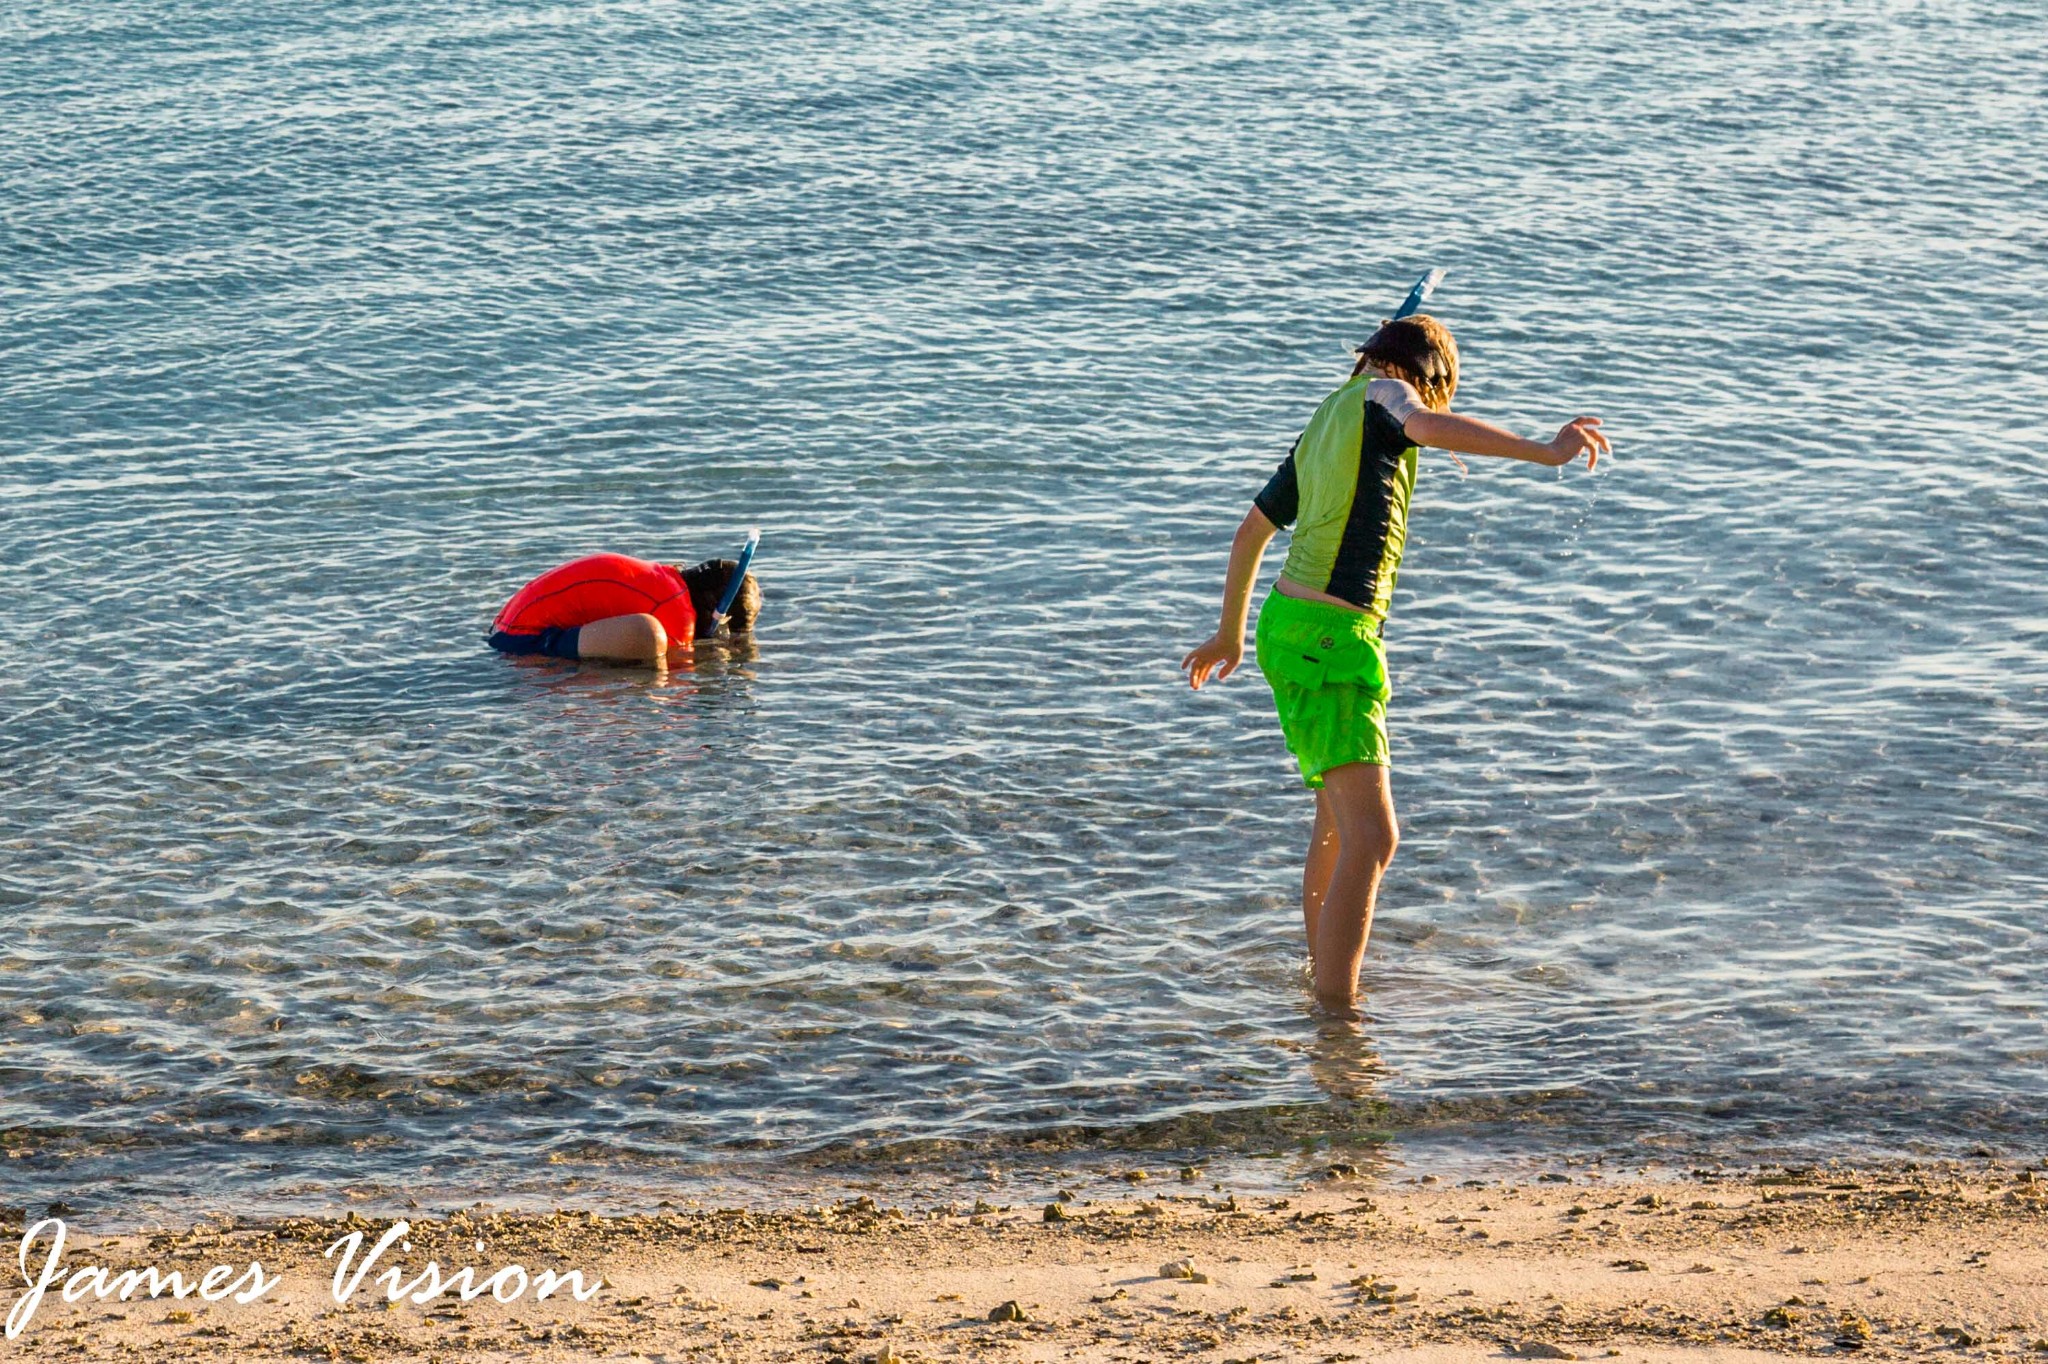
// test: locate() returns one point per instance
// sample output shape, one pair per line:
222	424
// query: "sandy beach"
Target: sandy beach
1886	1263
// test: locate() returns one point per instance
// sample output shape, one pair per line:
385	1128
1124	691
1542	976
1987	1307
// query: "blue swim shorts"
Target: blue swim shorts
555	642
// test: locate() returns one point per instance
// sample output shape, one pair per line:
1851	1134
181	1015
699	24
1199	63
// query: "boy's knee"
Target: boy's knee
1373	835
1384	838
650	636
638	637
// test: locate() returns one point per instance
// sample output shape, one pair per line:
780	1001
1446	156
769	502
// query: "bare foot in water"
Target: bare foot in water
1338	1010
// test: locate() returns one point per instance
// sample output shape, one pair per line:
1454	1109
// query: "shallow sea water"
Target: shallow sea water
1722	771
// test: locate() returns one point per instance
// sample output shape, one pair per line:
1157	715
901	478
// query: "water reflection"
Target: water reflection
1343	1062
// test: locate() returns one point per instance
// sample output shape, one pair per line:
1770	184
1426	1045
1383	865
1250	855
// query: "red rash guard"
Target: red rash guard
598	587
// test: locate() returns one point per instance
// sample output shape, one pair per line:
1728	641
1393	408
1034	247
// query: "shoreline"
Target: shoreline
1284	1159
1885	1262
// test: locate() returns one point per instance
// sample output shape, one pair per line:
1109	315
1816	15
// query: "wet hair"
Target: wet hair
706	583
1420	350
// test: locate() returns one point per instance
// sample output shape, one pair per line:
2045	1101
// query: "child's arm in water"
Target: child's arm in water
1224	650
1469	435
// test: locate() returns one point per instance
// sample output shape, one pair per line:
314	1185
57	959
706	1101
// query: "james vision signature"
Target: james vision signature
245	1284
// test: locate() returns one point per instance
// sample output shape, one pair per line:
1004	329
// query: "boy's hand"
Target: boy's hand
1580	436
1218	655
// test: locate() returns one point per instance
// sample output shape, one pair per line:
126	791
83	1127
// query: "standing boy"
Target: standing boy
1345	490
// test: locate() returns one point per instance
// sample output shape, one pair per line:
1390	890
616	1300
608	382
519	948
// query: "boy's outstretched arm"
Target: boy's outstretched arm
1470	436
1224	650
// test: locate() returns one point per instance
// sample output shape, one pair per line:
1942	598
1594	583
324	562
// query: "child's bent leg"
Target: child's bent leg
1361	805
632	639
1316	870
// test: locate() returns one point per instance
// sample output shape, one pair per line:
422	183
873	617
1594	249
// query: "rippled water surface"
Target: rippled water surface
1722	771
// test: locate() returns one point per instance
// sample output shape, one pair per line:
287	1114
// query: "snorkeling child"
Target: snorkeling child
622	609
1345	488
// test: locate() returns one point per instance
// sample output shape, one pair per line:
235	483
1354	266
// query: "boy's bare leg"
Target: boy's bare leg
1316	870
1361	805
626	639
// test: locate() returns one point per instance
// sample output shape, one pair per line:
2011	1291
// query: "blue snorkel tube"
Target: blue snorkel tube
1419	295
1412	305
739	576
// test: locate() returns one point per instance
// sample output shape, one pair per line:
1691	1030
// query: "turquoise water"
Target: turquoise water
1722	771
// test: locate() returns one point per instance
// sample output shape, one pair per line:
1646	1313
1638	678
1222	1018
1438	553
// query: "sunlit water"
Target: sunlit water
1723	771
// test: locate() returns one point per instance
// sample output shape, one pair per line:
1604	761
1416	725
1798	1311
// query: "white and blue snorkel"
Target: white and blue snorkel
1412	305
1419	295
739	577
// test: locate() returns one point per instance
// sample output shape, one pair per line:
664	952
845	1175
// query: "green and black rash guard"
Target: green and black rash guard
1344	488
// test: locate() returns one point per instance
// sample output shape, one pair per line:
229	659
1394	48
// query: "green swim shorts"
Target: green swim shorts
1328	671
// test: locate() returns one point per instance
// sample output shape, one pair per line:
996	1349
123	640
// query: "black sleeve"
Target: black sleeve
1280	499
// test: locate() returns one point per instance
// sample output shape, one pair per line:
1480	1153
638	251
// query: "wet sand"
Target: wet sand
1881	1263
